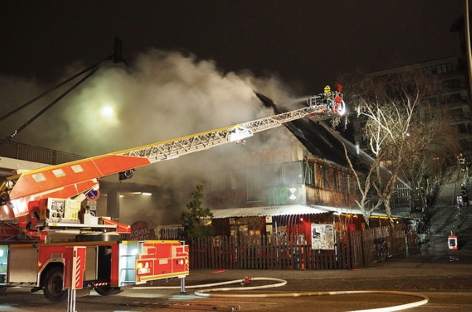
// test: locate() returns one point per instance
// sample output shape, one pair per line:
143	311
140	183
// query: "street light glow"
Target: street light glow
107	111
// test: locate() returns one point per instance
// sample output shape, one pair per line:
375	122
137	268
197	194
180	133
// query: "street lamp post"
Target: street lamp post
467	44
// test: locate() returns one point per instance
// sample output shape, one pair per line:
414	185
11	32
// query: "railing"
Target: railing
33	153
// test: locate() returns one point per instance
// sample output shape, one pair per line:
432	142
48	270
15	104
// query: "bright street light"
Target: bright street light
107	111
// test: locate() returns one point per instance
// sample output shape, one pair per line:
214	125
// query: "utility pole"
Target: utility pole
467	45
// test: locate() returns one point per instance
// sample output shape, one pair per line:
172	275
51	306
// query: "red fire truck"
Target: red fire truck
52	211
111	261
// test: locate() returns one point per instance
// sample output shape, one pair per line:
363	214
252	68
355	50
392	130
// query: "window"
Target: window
443	68
59	173
77	168
39	177
454	84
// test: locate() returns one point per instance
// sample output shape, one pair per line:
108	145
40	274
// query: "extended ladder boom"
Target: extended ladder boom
77	177
202	141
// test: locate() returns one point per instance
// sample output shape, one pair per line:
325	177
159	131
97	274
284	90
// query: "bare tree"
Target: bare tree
432	147
399	129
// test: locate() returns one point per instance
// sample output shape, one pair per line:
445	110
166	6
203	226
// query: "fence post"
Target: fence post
364	256
406	245
348	251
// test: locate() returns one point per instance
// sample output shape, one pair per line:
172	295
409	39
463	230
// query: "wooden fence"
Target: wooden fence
352	250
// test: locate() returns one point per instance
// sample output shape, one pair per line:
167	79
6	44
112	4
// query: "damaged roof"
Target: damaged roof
316	138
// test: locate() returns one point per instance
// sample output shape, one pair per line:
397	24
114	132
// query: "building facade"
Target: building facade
452	93
283	191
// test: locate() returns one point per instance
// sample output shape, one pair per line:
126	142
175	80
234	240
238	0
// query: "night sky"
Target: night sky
306	43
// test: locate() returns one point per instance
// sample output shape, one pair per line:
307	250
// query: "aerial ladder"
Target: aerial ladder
80	177
46	205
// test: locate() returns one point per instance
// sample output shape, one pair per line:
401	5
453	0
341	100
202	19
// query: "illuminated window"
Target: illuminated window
39	177
77	168
59	173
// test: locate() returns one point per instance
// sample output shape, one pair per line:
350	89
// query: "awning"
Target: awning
272	211
268	211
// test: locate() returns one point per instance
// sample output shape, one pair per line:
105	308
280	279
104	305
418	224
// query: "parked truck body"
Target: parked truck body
109	266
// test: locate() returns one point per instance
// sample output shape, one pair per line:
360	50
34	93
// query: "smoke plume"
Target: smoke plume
162	95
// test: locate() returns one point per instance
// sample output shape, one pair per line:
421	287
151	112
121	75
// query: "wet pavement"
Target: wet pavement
447	284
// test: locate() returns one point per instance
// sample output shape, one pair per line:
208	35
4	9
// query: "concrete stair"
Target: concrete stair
446	217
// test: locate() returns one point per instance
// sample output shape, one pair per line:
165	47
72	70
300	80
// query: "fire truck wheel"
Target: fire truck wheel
53	285
107	290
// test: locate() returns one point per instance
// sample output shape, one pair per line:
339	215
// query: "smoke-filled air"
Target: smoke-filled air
161	95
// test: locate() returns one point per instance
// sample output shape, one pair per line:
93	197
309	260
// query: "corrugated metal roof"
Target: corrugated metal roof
266	211
285	210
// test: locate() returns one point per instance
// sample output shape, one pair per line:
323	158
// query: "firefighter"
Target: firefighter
327	91
338	103
327	97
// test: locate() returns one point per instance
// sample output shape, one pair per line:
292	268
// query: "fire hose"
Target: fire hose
280	282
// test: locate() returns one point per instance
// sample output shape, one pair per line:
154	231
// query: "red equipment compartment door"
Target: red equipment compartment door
161	259
75	267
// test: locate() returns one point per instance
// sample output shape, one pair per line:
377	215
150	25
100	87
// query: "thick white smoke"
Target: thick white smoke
162	95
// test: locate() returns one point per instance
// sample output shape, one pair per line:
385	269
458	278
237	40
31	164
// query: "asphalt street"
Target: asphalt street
447	284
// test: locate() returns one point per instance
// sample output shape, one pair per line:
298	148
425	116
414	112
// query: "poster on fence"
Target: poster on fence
322	236
141	230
